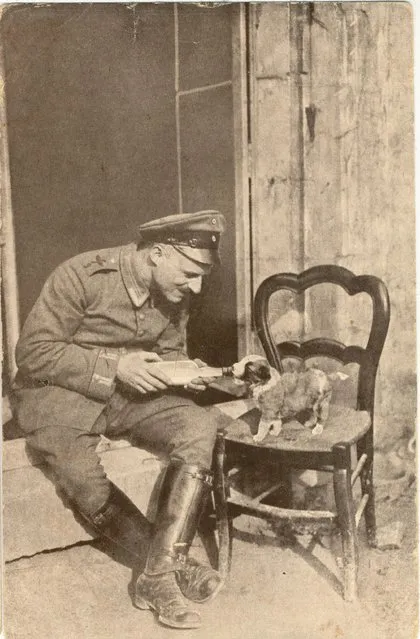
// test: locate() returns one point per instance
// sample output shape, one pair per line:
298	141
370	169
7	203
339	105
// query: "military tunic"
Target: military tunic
93	308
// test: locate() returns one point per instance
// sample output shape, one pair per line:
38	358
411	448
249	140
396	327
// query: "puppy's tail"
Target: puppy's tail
338	375
333	377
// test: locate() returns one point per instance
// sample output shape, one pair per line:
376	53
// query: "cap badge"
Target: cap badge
193	242
213	220
213	238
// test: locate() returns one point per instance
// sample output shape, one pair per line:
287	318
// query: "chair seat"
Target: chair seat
344	424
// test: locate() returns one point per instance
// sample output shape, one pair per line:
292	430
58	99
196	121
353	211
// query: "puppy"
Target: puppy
284	396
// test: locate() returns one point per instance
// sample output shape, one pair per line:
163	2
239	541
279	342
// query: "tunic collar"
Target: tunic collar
132	276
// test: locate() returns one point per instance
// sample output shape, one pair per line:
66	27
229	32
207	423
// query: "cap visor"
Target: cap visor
203	256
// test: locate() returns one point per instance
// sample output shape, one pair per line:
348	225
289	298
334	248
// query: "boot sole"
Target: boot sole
142	604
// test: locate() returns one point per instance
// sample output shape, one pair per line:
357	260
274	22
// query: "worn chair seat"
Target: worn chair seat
344	425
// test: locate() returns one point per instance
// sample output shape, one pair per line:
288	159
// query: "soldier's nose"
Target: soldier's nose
195	284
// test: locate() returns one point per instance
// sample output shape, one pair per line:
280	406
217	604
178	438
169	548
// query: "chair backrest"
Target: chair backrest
367	358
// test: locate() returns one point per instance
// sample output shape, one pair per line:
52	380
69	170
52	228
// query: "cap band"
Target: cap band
194	239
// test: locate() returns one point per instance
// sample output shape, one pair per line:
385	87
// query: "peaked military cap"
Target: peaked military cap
196	235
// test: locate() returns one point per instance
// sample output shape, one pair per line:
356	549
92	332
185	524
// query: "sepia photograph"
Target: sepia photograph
208	320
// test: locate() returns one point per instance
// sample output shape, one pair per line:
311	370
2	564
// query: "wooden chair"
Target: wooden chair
345	448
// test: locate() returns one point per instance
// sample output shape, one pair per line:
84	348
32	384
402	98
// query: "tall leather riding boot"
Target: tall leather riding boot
181	503
122	523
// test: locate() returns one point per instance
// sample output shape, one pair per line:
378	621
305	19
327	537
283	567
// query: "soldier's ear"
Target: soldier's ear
156	254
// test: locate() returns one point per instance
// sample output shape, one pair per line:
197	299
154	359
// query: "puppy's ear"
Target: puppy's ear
248	366
264	373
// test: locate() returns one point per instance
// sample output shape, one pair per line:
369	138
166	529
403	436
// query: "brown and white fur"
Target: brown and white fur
284	396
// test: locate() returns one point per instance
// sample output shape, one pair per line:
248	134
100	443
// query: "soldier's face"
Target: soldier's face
174	275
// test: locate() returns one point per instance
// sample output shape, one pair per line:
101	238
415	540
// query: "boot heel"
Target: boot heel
141	603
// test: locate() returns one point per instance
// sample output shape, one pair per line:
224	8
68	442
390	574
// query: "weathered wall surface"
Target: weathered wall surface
333	153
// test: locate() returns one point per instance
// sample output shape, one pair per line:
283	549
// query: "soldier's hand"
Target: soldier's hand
199	384
136	370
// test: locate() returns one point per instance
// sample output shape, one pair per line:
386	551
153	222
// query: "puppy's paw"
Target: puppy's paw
263	428
276	427
318	430
311	422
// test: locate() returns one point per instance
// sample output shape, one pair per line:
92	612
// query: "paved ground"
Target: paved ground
275	592
80	593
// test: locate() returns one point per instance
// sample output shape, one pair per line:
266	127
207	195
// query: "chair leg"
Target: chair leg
223	516
346	519
208	536
366	483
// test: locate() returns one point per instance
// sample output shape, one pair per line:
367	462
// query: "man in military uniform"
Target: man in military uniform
85	360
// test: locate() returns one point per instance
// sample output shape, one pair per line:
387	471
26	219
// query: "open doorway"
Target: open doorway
117	114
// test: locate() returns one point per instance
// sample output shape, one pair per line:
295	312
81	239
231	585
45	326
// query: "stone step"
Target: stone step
35	517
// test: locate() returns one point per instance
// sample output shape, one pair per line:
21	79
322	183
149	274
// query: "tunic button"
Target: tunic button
142	316
140	332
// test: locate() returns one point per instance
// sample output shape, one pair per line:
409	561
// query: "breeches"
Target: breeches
166	424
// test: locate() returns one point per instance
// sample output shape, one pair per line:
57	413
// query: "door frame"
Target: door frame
243	177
